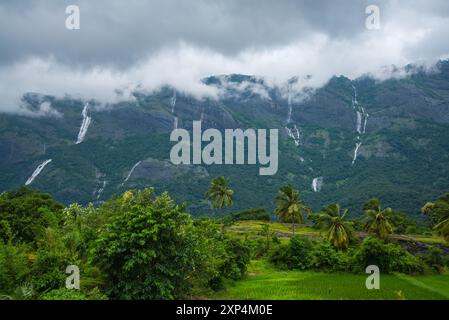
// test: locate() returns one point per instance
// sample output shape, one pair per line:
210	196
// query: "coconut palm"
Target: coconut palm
439	214
290	207
376	219
332	219
443	229
220	193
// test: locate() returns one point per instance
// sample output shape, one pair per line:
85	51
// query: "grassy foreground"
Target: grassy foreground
264	282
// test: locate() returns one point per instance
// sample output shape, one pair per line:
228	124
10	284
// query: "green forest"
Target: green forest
140	245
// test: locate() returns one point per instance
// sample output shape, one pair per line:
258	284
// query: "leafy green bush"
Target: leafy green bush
147	252
389	257
237	260
294	255
304	254
64	294
400	222
23	213
14	267
434	258
324	257
50	262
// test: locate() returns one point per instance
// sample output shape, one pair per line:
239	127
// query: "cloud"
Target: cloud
123	47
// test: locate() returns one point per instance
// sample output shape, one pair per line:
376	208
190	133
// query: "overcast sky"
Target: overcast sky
125	43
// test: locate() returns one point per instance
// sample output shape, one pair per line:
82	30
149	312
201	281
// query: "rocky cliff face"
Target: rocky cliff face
364	138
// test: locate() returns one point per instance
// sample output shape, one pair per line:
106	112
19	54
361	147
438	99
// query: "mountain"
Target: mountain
347	141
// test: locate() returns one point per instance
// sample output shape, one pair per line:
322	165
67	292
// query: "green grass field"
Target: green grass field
265	282
252	228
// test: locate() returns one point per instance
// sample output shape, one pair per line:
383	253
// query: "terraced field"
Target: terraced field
264	282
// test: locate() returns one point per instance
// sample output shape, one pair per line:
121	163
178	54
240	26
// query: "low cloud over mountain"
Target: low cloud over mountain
124	46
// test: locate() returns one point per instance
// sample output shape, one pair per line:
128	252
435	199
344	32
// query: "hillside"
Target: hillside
347	141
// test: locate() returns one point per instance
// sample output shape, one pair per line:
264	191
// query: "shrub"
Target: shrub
324	257
294	255
237	260
14	268
23	213
63	294
148	251
388	257
434	258
50	261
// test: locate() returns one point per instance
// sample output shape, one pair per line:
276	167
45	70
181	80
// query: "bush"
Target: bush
148	251
388	257
23	213
14	268
236	263
51	260
294	255
324	257
63	294
400	222
434	258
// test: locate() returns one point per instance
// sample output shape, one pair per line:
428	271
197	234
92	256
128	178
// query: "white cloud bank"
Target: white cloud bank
400	42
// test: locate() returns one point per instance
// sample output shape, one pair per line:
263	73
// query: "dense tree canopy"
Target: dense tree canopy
24	212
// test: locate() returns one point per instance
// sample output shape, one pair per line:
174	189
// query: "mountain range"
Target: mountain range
345	142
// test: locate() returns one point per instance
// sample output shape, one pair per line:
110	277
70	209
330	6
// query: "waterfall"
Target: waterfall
290	108
317	184
175	122
292	133
100	191
173	102
364	124
362	116
173	105
131	172
37	172
84	125
361	121
354	99
356	150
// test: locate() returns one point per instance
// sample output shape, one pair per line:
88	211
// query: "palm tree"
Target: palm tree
338	230
220	193
289	207
439	214
443	229
376	219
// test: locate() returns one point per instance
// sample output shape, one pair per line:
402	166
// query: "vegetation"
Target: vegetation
439	213
220	193
260	214
338	230
23	213
268	282
289	207
143	245
376	219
